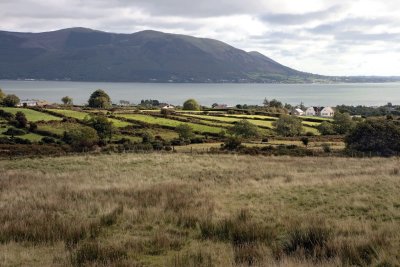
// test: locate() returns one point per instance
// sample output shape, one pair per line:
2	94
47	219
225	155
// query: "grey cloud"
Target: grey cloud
296	19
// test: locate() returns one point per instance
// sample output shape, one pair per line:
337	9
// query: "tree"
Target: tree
214	105
11	100
305	141
275	104
2	95
379	135
232	143
102	125
191	104
14	131
326	128
185	131
245	129
266	102
99	99
21	120
67	101
147	137
288	126
81	139
342	123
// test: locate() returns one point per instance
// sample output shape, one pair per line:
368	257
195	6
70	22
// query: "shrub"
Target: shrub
81	139
232	143
326	128
11	101
244	128
102	125
48	140
381	136
342	123
21	120
185	131
191	104
99	99
147	137
14	132
305	141
326	147
288	126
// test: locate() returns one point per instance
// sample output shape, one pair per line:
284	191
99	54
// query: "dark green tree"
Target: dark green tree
288	126
99	99
14	132
342	123
21	121
102	125
375	135
185	131
82	139
245	129
326	128
2	96
305	141
11	101
191	104
67	100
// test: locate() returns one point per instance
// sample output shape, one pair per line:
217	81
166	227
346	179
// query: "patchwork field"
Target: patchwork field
170	122
32	115
180	210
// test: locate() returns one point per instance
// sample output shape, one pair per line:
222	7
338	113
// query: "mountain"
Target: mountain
87	55
81	54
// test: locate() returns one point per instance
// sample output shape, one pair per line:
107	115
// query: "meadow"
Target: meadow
183	210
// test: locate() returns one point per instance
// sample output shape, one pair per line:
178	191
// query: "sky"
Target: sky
328	37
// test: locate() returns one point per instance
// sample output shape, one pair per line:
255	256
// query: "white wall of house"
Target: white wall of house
327	112
310	112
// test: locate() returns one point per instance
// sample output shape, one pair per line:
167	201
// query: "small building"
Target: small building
327	112
312	111
168	107
297	112
220	106
32	103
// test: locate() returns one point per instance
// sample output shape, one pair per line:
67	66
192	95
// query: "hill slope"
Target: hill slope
89	55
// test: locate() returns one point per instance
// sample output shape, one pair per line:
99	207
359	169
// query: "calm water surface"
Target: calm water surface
206	94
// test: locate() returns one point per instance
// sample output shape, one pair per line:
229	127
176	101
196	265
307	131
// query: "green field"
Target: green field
29	136
262	123
59	127
32	115
182	210
81	115
170	123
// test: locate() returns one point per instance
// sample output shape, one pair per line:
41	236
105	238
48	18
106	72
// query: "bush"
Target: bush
288	126
48	140
21	120
342	123
232	143
81	139
305	141
191	104
381	136
99	99
326	148
185	131
11	101
14	132
245	129
326	128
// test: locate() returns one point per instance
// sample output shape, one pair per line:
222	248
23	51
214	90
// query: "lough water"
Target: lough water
371	94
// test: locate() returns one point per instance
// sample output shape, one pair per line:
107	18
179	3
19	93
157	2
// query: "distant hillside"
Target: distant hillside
87	55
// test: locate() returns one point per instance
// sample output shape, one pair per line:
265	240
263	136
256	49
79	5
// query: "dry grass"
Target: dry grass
199	210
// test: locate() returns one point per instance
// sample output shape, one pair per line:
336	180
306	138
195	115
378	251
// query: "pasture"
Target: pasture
180	210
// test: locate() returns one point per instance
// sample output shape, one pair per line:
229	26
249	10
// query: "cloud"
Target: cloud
335	37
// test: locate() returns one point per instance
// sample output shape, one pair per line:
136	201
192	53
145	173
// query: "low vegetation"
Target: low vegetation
199	210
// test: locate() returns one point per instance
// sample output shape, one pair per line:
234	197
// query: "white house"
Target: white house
327	112
28	103
297	112
168	107
311	111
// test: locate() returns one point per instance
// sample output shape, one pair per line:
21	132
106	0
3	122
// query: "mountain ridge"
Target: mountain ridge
83	54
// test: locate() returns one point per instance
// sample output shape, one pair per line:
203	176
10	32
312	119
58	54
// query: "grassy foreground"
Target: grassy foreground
199	210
